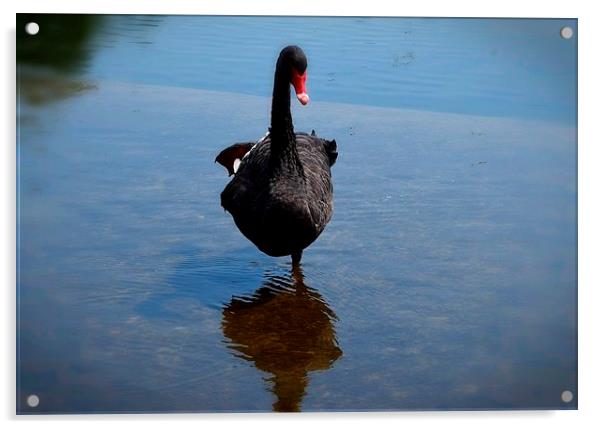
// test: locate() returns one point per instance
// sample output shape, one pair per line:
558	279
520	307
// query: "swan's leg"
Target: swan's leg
296	257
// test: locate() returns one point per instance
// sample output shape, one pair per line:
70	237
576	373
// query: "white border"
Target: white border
590	190
460	8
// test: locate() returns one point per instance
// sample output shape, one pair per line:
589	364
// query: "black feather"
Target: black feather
281	195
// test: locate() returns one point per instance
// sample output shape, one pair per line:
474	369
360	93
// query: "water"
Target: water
445	280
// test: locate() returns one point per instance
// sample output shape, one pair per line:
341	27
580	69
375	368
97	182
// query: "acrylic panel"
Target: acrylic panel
445	279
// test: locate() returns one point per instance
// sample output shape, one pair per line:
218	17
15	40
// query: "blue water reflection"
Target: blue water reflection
446	278
496	67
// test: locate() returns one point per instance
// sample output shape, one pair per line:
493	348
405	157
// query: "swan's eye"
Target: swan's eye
299	64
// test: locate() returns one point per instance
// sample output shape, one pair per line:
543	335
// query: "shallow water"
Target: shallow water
446	278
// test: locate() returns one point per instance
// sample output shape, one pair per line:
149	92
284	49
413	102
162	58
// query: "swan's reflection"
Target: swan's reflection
285	328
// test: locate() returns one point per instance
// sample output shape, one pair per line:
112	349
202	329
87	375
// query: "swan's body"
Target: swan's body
281	193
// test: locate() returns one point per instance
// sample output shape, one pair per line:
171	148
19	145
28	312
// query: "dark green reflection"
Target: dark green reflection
62	42
285	328
53	58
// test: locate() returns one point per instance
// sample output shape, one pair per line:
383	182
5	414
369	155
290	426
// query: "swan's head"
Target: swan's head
296	62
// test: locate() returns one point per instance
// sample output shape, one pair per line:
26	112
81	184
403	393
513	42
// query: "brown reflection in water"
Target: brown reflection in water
40	89
285	328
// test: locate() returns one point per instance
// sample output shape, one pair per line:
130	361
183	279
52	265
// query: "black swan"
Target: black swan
281	193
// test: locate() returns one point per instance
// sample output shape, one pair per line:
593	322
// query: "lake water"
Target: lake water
445	280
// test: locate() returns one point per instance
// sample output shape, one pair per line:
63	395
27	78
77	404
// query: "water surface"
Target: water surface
445	280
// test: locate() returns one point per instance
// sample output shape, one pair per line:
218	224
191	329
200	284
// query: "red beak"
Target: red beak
298	81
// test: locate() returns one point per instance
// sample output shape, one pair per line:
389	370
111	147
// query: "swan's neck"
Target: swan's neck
281	129
282	133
